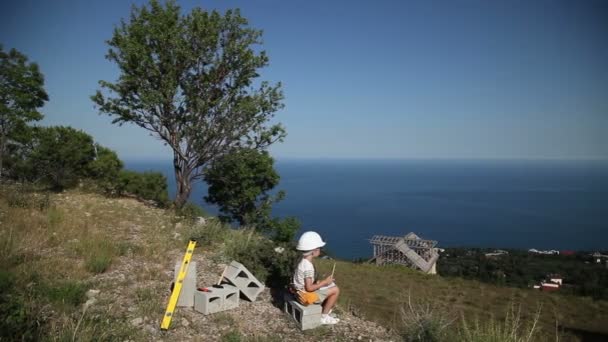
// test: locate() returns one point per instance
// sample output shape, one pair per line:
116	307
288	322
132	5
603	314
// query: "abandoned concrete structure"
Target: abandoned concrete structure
410	250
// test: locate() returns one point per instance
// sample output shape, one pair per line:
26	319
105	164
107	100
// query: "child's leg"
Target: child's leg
332	298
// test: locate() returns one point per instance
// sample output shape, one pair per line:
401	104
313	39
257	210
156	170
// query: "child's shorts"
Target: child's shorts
322	293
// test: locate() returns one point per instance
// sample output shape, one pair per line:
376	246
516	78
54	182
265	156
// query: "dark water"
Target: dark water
511	204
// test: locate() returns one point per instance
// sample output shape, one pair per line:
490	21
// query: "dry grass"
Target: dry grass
76	242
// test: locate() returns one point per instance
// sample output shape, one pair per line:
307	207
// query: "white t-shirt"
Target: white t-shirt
304	270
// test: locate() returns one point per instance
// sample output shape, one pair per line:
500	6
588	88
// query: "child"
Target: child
324	291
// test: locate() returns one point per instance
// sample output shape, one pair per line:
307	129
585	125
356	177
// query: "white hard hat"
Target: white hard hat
309	241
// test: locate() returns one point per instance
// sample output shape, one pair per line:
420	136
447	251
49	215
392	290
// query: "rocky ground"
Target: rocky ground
135	289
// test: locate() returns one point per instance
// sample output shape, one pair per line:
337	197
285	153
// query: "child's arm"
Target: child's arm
310	286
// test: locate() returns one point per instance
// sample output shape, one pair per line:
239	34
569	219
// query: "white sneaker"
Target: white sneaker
327	319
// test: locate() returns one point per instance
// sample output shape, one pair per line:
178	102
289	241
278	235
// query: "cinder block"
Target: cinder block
217	299
230	297
239	276
207	302
306	317
186	296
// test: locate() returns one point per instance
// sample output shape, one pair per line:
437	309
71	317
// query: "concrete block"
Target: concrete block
217	299
239	276
230	297
306	317
186	296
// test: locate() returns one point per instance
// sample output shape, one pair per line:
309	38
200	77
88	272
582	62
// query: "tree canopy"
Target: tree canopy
21	94
191	80
240	183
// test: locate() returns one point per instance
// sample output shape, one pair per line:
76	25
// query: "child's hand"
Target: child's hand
328	280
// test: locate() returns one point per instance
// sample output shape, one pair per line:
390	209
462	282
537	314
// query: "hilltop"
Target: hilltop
87	267
115	257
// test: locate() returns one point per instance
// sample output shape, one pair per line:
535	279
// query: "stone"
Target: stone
150	329
185	322
239	276
186	296
137	321
92	293
201	221
90	302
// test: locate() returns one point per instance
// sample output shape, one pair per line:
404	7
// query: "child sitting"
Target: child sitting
308	291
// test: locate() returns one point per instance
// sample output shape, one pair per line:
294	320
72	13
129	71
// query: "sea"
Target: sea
542	204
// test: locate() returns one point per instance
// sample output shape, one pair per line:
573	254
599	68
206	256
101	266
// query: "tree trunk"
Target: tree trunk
183	181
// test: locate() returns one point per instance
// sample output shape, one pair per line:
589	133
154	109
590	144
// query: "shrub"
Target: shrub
512	329
151	186
283	230
16	320
98	263
191	212
213	232
24	197
98	254
271	263
105	169
423	322
69	293
60	155
232	336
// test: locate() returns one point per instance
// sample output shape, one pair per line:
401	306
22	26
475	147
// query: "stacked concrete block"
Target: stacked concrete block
306	317
216	299
186	297
239	276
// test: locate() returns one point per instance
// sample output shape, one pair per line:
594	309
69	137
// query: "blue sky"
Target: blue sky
369	79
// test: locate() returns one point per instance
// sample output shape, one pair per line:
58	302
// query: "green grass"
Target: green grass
379	293
71	293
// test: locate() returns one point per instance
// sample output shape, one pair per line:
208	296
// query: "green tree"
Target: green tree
21	94
189	79
240	183
105	168
60	156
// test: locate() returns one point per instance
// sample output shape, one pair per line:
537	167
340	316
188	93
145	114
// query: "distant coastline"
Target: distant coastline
469	203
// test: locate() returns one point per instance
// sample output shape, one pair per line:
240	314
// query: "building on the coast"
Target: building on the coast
409	250
549	252
553	282
496	253
549	287
555	278
597	256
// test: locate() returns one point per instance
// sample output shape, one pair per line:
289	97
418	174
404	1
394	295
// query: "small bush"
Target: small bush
512	329
98	263
423	322
233	336
17	322
105	169
271	263
191	212
150	186
212	233
24	197
98	254
69	293
60	156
